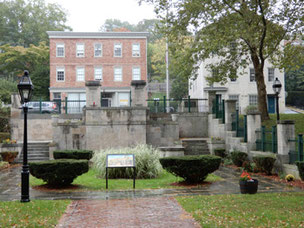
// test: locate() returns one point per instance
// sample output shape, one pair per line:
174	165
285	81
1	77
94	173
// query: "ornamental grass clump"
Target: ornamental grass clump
146	161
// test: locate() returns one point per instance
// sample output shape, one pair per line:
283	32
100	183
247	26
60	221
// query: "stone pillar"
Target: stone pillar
211	98
253	124
93	93
230	108
138	93
285	132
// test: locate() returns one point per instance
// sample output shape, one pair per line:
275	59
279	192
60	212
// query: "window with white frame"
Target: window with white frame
97	50
80	74
253	99
135	50
235	97
60	74
117	74
79	50
117	50
59	50
251	75
57	96
270	74
136	73
98	73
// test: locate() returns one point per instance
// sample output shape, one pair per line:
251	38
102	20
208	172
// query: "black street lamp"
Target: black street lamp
277	86
25	88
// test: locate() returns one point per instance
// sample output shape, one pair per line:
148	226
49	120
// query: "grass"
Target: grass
90	181
258	210
37	213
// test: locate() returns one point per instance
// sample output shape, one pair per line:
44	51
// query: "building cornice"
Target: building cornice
97	35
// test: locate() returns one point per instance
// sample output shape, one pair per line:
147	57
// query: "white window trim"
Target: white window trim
80	67
133	72
268	69
121	74
83	50
60	69
101	50
57	44
250	95
135	56
100	67
114	50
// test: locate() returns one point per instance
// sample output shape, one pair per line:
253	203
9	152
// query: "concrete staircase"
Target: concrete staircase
195	146
37	151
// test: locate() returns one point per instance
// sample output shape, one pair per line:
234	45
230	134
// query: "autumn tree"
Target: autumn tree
239	32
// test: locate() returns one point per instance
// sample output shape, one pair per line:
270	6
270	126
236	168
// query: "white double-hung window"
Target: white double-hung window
59	50
60	74
117	73
136	50
117	50
97	50
79	50
98	73
80	74
136	73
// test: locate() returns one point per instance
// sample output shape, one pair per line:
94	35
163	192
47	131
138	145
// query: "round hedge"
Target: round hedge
60	172
194	169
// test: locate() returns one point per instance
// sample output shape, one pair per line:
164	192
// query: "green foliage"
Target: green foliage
4	123
251	108
7	86
238	158
221	152
73	154
294	80
36	213
295	98
146	160
194	169
4	135
59	172
264	163
300	165
25	22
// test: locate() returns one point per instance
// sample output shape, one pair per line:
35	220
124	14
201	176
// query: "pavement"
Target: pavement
132	208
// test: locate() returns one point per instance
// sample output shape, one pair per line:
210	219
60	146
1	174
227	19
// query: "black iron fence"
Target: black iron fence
297	154
267	139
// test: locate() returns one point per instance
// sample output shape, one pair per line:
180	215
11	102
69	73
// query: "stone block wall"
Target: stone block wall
193	125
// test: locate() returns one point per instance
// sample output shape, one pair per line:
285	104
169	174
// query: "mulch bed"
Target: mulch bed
188	185
274	177
9	166
48	188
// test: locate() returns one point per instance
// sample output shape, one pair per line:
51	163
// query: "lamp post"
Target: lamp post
277	86
25	88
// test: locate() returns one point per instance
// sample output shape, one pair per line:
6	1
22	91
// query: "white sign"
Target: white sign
120	160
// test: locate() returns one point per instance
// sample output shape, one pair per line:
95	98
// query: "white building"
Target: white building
243	89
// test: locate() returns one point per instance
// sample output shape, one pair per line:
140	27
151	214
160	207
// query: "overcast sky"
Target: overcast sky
89	15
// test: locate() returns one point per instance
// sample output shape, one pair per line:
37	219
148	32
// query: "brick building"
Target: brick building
114	58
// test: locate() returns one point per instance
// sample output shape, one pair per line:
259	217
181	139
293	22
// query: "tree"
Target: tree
35	59
25	22
239	32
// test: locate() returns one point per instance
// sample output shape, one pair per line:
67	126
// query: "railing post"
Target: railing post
130	99
300	147
273	138
40	105
66	105
237	122
263	139
189	105
223	111
245	128
165	104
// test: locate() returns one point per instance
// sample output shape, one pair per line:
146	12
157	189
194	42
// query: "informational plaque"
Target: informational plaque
120	160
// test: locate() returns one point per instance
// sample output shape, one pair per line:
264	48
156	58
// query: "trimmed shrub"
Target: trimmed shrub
59	172
146	161
73	154
194	169
238	158
264	163
300	165
221	152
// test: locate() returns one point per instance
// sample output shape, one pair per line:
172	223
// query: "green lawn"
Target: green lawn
37	213
258	210
90	181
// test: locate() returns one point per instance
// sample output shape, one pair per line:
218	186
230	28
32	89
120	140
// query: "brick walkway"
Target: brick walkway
139	212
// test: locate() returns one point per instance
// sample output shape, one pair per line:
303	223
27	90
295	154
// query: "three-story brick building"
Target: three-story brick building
114	58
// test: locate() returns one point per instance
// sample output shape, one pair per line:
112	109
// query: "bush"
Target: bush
238	158
194	169
146	161
59	172
221	152
300	165
73	154
4	136
264	163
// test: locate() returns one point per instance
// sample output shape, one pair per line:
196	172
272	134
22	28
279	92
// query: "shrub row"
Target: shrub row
194	169
300	165
295	98
73	154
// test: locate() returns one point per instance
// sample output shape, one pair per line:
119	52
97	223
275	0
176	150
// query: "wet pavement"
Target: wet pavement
10	188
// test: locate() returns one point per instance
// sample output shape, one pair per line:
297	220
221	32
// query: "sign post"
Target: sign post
120	161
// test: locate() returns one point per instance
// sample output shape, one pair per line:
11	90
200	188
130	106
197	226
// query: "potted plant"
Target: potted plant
247	184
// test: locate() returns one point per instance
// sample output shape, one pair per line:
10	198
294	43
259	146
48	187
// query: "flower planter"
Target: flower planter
249	186
9	156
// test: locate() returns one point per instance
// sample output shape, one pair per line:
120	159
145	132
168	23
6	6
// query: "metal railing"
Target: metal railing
267	139
297	154
218	108
239	124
